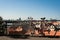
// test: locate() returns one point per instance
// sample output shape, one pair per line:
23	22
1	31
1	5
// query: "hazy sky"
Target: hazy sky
13	9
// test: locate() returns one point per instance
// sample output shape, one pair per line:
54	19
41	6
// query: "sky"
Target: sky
14	9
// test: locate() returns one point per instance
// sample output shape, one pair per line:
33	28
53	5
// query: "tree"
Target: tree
30	18
1	18
19	19
43	18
